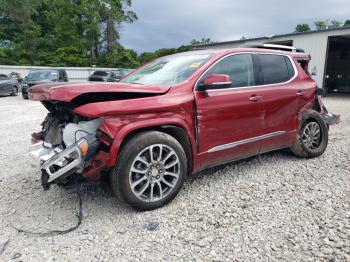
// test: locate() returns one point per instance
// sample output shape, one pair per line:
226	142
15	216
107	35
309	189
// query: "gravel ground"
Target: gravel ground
271	207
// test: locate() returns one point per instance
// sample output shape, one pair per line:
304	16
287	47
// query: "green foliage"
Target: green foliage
71	33
62	32
335	24
302	28
321	25
148	56
203	41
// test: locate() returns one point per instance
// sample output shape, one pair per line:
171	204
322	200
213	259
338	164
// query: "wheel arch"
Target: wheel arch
308	115
175	130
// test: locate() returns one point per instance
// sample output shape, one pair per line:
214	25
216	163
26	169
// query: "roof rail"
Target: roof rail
274	47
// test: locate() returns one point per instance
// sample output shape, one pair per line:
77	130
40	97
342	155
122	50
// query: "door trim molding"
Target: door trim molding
244	141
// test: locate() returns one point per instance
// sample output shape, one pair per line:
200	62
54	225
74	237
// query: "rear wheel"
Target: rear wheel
312	139
150	170
14	91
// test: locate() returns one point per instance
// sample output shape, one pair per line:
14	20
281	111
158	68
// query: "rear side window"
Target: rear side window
276	68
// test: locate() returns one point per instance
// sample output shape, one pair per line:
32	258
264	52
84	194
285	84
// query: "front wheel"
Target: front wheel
150	170
312	139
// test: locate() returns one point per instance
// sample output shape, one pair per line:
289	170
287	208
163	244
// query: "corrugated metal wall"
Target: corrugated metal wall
75	74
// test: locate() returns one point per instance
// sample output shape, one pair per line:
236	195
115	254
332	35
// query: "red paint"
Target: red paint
210	118
213	79
67	92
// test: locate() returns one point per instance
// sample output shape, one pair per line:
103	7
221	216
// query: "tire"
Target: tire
25	96
14	91
157	174
314	144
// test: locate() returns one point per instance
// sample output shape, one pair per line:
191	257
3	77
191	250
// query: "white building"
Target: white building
329	50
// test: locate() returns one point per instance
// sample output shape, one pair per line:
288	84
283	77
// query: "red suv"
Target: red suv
178	115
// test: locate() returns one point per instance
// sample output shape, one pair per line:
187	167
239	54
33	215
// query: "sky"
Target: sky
171	23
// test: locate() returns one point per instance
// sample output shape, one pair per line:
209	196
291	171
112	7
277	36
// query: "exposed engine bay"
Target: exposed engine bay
66	145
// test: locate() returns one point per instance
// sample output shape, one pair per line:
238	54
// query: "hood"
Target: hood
82	93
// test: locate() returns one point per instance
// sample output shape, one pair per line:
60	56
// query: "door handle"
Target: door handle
254	98
300	93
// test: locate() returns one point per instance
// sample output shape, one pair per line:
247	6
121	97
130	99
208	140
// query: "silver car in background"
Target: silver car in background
8	85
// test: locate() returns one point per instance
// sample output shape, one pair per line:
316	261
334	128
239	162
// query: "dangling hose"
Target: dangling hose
59	232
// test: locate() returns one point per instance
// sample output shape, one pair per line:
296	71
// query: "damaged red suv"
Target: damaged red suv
178	115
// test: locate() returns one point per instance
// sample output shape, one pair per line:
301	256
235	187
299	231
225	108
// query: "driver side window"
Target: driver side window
239	67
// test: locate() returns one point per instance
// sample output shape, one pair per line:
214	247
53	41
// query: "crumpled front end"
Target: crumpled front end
66	149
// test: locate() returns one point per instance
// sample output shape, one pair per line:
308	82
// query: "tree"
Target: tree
61	32
321	25
203	41
302	28
347	23
335	24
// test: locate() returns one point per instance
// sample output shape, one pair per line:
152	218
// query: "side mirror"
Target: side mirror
215	82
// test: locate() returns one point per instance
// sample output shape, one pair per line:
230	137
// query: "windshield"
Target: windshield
45	74
168	70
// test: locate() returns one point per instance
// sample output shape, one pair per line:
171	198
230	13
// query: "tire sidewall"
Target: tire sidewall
120	178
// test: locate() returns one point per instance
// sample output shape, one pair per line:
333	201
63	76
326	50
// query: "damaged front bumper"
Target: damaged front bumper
58	163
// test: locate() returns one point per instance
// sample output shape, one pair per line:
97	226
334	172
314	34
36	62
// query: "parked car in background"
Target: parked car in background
109	76
8	85
121	73
41	77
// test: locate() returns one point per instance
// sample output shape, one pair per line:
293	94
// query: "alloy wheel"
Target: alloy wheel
311	136
154	173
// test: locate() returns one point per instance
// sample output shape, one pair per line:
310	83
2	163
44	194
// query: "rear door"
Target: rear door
229	120
279	93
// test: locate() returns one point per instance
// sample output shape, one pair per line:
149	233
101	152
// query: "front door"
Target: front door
229	121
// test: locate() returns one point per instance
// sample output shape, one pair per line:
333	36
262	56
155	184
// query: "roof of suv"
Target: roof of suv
247	50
